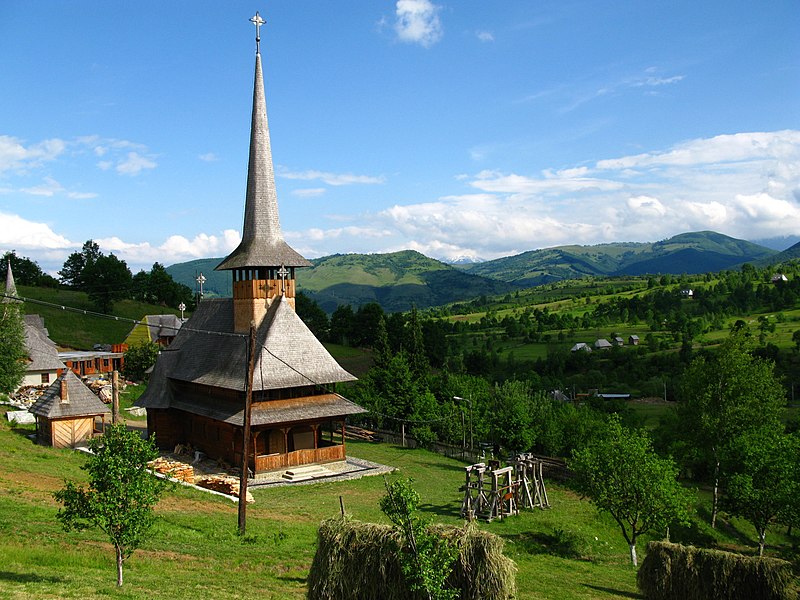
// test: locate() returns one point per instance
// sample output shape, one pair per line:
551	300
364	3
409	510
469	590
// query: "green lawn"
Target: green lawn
565	552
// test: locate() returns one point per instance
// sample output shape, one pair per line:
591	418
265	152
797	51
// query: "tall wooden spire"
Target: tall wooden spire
262	253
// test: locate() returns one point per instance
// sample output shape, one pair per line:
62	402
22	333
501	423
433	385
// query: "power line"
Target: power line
90	313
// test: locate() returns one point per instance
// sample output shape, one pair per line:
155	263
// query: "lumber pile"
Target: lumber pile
224	485
360	433
173	468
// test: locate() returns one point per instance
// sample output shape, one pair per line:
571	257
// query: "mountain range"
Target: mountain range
400	280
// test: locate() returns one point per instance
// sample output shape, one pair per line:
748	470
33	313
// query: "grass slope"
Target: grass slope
567	552
81	331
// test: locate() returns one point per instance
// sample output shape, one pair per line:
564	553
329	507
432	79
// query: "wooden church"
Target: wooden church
197	391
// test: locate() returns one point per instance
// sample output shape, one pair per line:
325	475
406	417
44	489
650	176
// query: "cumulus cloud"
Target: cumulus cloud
485	36
745	185
417	22
22	234
176	248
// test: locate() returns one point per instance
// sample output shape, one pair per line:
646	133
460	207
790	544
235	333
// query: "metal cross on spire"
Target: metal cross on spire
258	22
282	273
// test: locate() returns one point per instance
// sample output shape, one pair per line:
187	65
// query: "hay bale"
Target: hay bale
671	571
361	561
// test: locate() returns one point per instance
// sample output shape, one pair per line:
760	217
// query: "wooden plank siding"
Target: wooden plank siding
223	441
68	433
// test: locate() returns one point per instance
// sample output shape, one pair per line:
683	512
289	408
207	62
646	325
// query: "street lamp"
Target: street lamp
460	399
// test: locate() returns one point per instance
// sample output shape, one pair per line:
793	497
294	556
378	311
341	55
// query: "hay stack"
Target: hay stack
671	571
360	561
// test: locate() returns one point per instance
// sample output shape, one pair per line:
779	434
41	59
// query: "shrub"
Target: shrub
359	561
671	571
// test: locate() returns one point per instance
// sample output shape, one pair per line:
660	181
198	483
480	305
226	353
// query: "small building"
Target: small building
66	414
618	341
778	278
687	293
602	344
44	364
159	329
581	346
94	362
633	340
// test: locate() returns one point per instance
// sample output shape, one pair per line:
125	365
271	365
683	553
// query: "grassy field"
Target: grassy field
81	331
565	552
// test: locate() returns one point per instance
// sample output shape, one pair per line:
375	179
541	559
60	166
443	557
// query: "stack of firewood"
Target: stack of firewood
360	433
224	485
173	468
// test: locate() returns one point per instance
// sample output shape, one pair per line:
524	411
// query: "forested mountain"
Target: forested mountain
689	253
403	279
397	281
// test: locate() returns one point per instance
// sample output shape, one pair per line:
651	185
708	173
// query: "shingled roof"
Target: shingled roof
262	242
42	351
81	400
287	354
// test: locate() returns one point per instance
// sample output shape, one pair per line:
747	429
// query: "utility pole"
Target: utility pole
115	397
248	403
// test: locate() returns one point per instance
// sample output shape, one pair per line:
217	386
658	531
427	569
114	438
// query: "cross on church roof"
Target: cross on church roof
258	22
282	273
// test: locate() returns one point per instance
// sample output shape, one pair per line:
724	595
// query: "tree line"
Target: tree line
104	278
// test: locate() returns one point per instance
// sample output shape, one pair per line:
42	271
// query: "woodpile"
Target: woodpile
359	433
224	485
173	468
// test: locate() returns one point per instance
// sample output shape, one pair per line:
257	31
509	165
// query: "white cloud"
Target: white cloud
15	156
134	163
485	36
22	234
334	179
208	157
48	188
418	22
308	192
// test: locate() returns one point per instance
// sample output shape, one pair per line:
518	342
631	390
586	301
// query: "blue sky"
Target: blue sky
454	127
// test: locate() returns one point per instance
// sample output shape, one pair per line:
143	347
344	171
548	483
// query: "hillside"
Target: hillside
397	281
689	253
82	331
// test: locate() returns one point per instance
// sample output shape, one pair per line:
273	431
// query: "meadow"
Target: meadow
566	552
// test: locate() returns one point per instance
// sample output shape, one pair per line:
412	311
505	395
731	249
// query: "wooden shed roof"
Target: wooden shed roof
82	401
42	351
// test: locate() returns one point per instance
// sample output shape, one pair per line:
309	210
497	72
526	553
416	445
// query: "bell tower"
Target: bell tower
263	264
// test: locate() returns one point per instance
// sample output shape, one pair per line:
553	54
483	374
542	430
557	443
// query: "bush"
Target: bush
671	571
359	561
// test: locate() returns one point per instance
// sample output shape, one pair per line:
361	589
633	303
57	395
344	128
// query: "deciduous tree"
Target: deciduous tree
12	346
121	493
726	396
622	475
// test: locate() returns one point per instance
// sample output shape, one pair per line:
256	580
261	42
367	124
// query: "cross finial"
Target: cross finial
258	22
282	273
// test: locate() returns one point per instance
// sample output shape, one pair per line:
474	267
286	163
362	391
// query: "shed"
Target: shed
581	346
66	413
602	344
633	340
